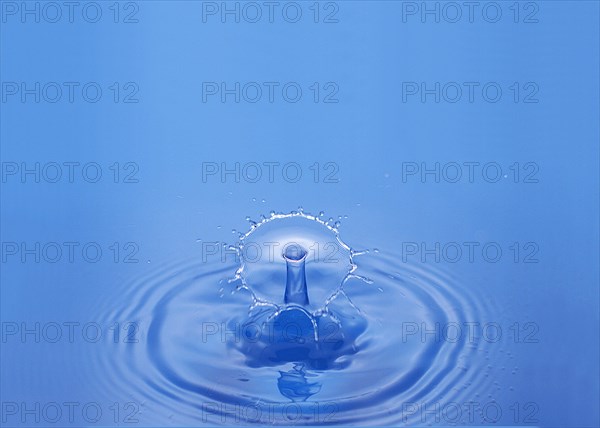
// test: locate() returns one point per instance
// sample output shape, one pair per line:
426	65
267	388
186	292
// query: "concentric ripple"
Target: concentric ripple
185	370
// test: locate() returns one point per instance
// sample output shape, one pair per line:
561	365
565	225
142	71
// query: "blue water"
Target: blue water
238	355
460	286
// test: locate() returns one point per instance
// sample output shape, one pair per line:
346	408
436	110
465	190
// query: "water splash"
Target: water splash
260	252
283	324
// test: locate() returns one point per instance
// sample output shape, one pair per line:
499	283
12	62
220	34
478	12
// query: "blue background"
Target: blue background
368	134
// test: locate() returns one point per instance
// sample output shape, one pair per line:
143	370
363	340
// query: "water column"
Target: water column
295	287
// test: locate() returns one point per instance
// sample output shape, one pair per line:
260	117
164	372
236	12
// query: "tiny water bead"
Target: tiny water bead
299	318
